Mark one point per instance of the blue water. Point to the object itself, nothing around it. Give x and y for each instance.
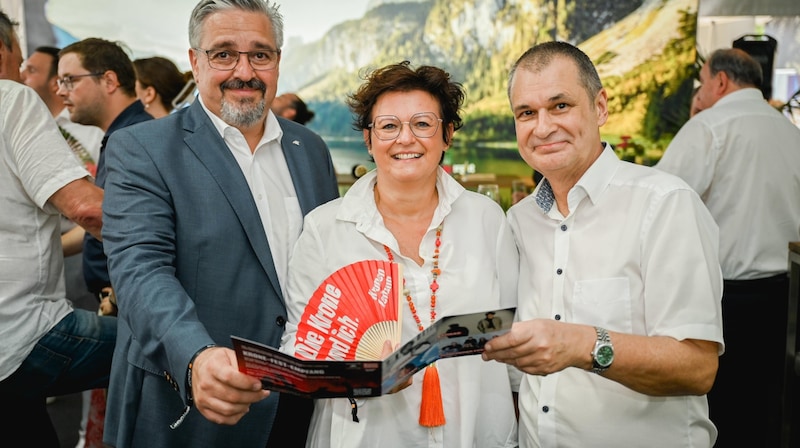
(348, 154)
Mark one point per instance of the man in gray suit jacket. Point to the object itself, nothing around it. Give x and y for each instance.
(200, 214)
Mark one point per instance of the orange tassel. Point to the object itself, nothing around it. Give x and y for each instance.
(431, 410)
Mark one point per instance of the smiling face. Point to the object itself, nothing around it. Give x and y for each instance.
(556, 121)
(241, 97)
(407, 158)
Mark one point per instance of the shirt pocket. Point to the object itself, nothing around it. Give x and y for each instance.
(294, 219)
(603, 302)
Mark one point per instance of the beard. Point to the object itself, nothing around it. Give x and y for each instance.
(244, 113)
(87, 115)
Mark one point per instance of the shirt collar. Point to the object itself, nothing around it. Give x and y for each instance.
(748, 94)
(272, 129)
(358, 204)
(123, 119)
(592, 184)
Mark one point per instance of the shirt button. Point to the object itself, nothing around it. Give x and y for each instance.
(280, 320)
(559, 271)
(564, 227)
(558, 317)
(545, 409)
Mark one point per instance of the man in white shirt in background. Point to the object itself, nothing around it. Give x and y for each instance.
(743, 157)
(48, 348)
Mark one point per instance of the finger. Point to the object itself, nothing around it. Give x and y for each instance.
(499, 343)
(236, 379)
(222, 412)
(387, 349)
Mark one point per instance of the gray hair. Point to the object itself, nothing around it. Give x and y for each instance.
(208, 7)
(7, 30)
(539, 56)
(739, 66)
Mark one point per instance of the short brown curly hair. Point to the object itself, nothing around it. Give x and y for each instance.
(402, 78)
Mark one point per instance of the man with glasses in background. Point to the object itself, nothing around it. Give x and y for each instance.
(202, 209)
(96, 81)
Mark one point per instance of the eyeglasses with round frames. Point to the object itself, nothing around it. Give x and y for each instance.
(68, 82)
(422, 125)
(227, 60)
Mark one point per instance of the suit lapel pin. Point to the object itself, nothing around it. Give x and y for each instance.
(296, 142)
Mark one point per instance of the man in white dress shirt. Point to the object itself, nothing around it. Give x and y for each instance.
(743, 157)
(620, 324)
(49, 348)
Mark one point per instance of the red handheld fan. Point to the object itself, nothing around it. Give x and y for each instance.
(352, 313)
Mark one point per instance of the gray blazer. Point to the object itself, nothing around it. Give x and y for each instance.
(191, 266)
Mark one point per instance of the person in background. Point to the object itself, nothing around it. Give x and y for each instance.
(742, 157)
(49, 348)
(96, 82)
(202, 209)
(290, 106)
(40, 72)
(619, 322)
(10, 51)
(456, 252)
(158, 83)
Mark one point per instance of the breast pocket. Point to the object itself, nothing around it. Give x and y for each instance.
(294, 218)
(603, 302)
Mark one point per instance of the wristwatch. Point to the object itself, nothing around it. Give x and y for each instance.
(603, 353)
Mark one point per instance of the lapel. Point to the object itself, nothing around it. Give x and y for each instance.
(205, 142)
(296, 152)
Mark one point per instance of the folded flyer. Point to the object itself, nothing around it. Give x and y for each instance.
(449, 337)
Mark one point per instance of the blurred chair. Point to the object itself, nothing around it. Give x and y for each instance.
(762, 48)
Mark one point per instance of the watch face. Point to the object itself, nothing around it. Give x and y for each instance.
(605, 355)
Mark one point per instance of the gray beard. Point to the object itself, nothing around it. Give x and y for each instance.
(243, 114)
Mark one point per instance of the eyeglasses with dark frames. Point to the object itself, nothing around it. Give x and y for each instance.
(227, 60)
(68, 82)
(422, 125)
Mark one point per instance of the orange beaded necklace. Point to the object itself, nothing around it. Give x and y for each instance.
(431, 409)
(434, 283)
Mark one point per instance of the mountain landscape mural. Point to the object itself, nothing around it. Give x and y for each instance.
(644, 51)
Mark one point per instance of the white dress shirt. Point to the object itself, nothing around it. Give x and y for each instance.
(478, 263)
(271, 185)
(638, 255)
(36, 162)
(743, 157)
